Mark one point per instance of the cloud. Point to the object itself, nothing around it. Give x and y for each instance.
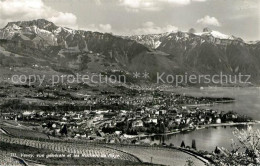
(98, 28)
(207, 20)
(153, 5)
(199, 0)
(150, 28)
(98, 2)
(148, 24)
(17, 10)
(136, 5)
(105, 27)
(64, 19)
(178, 2)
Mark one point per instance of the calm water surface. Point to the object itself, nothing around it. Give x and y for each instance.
(247, 102)
(247, 99)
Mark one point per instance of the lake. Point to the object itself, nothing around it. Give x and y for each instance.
(206, 139)
(247, 102)
(247, 99)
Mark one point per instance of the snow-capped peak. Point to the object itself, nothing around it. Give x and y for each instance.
(13, 27)
(216, 34)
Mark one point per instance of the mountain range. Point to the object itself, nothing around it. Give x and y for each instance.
(41, 46)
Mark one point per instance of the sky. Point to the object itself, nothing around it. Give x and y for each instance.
(240, 18)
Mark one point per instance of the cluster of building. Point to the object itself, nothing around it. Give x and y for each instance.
(113, 117)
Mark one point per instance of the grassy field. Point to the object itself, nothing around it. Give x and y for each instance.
(17, 132)
(158, 155)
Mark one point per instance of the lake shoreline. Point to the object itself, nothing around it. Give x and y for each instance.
(197, 128)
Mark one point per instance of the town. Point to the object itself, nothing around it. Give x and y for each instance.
(115, 117)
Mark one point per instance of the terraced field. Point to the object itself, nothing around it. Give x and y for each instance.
(88, 150)
(106, 152)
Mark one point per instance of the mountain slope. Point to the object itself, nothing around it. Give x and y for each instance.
(64, 49)
(208, 52)
(42, 43)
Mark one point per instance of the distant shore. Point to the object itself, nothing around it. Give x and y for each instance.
(194, 129)
(229, 124)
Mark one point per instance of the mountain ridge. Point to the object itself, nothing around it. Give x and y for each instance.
(209, 52)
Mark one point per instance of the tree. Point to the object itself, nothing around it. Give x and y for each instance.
(216, 151)
(162, 127)
(249, 140)
(64, 130)
(41, 90)
(246, 151)
(193, 145)
(53, 133)
(182, 144)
